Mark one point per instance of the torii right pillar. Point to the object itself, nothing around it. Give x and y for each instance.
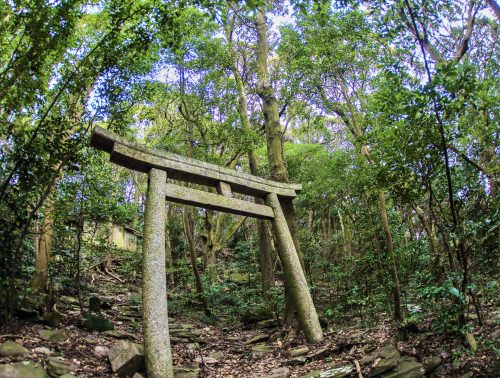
(295, 280)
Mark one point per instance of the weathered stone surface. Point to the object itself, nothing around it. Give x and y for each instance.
(101, 350)
(295, 280)
(94, 322)
(118, 334)
(52, 319)
(154, 300)
(126, 358)
(299, 360)
(299, 351)
(282, 372)
(11, 349)
(432, 363)
(53, 335)
(25, 369)
(366, 360)
(257, 339)
(186, 372)
(336, 372)
(137, 375)
(57, 366)
(42, 350)
(389, 359)
(68, 376)
(141, 158)
(320, 353)
(471, 341)
(260, 350)
(408, 368)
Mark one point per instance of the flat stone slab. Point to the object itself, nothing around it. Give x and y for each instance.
(388, 359)
(12, 349)
(186, 372)
(260, 350)
(258, 338)
(58, 366)
(25, 369)
(299, 351)
(408, 367)
(335, 372)
(53, 335)
(126, 358)
(282, 372)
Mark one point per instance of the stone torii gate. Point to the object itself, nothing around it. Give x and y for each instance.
(159, 165)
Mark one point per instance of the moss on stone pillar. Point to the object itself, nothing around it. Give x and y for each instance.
(154, 297)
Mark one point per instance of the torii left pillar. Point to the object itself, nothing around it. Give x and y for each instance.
(154, 283)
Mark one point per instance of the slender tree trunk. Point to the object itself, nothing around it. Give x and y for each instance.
(169, 262)
(263, 227)
(396, 293)
(274, 141)
(40, 280)
(189, 231)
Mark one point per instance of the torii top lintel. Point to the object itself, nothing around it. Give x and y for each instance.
(141, 158)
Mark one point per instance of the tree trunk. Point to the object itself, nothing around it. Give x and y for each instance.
(263, 227)
(40, 280)
(274, 138)
(189, 231)
(396, 293)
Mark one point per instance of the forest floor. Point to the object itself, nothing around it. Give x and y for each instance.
(234, 351)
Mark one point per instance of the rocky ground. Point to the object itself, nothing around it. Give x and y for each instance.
(107, 342)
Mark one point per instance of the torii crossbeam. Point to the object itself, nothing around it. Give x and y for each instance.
(159, 165)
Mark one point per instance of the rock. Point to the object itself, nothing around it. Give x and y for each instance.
(336, 372)
(68, 376)
(282, 372)
(57, 366)
(42, 350)
(126, 358)
(300, 360)
(471, 341)
(118, 334)
(99, 323)
(319, 353)
(11, 349)
(367, 360)
(469, 374)
(432, 363)
(268, 323)
(186, 372)
(299, 351)
(52, 319)
(216, 355)
(408, 368)
(257, 339)
(193, 346)
(94, 304)
(101, 350)
(260, 350)
(26, 369)
(53, 335)
(388, 359)
(137, 375)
